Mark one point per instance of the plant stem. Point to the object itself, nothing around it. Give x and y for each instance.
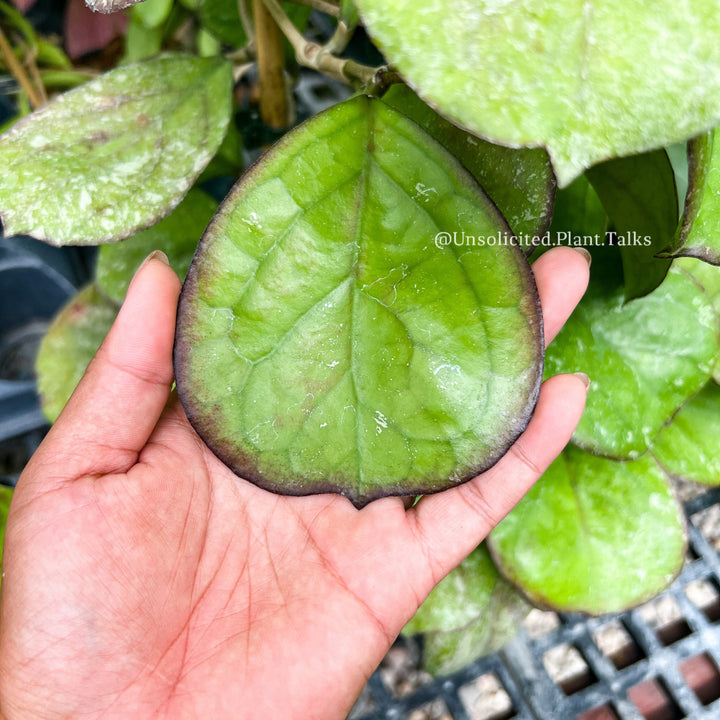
(271, 67)
(246, 17)
(318, 57)
(18, 72)
(34, 72)
(329, 8)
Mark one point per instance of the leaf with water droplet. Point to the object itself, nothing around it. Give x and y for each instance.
(472, 612)
(117, 154)
(587, 80)
(645, 357)
(68, 347)
(593, 535)
(325, 343)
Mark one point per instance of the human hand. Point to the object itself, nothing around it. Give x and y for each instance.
(143, 579)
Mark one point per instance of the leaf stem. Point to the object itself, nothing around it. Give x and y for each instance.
(271, 67)
(246, 17)
(318, 57)
(324, 6)
(18, 72)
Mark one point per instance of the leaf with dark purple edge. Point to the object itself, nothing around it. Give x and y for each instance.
(645, 357)
(472, 612)
(688, 448)
(177, 236)
(593, 535)
(589, 81)
(325, 343)
(640, 197)
(699, 235)
(115, 155)
(70, 344)
(520, 182)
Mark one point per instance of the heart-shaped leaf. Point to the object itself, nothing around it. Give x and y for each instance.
(326, 343)
(640, 197)
(700, 232)
(689, 447)
(520, 182)
(116, 154)
(587, 80)
(593, 535)
(645, 357)
(177, 236)
(472, 612)
(68, 347)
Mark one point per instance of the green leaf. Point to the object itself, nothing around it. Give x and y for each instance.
(141, 42)
(689, 447)
(520, 182)
(68, 347)
(326, 344)
(699, 235)
(472, 612)
(645, 358)
(50, 55)
(587, 80)
(593, 535)
(5, 497)
(640, 197)
(116, 154)
(708, 277)
(349, 13)
(177, 236)
(228, 160)
(152, 13)
(222, 19)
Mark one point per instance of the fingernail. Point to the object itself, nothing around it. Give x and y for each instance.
(155, 255)
(585, 254)
(585, 379)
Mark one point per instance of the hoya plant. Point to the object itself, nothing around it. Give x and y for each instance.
(359, 315)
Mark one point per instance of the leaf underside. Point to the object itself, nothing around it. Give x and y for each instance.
(579, 78)
(593, 535)
(116, 154)
(326, 344)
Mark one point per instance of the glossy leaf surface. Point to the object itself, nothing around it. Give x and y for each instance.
(588, 80)
(520, 182)
(68, 347)
(640, 197)
(593, 535)
(472, 612)
(700, 232)
(645, 358)
(177, 236)
(116, 154)
(325, 343)
(689, 447)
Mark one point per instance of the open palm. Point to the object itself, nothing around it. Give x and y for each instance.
(142, 579)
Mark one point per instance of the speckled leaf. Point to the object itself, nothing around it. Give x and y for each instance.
(115, 155)
(110, 6)
(326, 344)
(5, 497)
(689, 447)
(593, 535)
(69, 345)
(700, 232)
(177, 236)
(472, 612)
(640, 197)
(520, 182)
(645, 357)
(588, 80)
(708, 277)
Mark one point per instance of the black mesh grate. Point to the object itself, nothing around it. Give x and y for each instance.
(669, 670)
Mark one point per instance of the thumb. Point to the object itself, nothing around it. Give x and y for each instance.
(114, 409)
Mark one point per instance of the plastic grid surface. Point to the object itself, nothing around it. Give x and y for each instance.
(520, 670)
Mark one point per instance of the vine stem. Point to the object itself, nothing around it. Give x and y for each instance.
(274, 105)
(329, 8)
(319, 57)
(18, 72)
